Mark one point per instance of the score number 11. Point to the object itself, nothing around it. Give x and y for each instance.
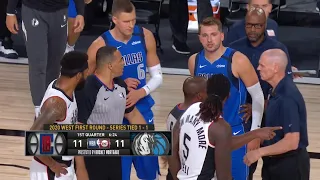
(120, 143)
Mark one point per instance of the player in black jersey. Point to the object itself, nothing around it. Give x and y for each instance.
(194, 90)
(44, 26)
(202, 139)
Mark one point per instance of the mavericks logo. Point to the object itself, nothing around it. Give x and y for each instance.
(150, 144)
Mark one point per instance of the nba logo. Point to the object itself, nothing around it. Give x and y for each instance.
(45, 143)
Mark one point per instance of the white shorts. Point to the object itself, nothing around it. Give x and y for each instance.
(39, 171)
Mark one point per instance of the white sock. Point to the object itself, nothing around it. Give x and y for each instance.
(37, 110)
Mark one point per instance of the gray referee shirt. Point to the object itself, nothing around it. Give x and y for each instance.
(97, 104)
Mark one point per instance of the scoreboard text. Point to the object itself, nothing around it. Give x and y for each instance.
(98, 143)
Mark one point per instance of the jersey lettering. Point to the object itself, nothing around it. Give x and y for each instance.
(205, 75)
(202, 138)
(190, 119)
(133, 58)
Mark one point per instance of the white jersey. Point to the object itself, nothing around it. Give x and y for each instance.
(72, 109)
(173, 116)
(195, 152)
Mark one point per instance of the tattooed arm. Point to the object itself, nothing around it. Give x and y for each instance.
(53, 109)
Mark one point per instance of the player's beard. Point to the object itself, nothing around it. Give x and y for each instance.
(81, 84)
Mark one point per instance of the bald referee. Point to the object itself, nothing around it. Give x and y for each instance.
(103, 101)
(194, 90)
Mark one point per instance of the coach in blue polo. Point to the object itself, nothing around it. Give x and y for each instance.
(285, 156)
(253, 45)
(237, 30)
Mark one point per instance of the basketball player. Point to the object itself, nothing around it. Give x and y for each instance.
(215, 59)
(138, 48)
(194, 90)
(72, 34)
(202, 139)
(59, 106)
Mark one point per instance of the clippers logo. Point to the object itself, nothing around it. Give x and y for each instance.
(94, 143)
(46, 145)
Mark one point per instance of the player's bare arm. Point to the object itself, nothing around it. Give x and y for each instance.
(191, 63)
(52, 110)
(154, 68)
(135, 117)
(92, 52)
(82, 173)
(174, 160)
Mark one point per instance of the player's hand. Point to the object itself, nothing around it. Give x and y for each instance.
(59, 168)
(295, 75)
(134, 96)
(253, 145)
(78, 24)
(132, 83)
(82, 174)
(252, 157)
(266, 133)
(12, 24)
(87, 1)
(247, 110)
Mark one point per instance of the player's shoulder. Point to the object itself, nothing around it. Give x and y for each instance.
(239, 58)
(193, 109)
(193, 56)
(99, 42)
(147, 32)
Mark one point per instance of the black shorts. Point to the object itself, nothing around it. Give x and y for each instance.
(104, 168)
(294, 165)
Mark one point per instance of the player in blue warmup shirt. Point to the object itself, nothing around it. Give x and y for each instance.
(72, 35)
(217, 59)
(138, 48)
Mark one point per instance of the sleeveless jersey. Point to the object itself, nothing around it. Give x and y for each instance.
(134, 54)
(72, 109)
(174, 116)
(195, 152)
(238, 91)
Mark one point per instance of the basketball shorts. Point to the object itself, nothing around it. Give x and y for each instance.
(239, 170)
(39, 171)
(147, 168)
(72, 12)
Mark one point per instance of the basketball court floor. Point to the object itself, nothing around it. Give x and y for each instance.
(16, 113)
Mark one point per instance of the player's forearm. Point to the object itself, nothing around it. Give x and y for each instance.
(241, 140)
(156, 79)
(280, 147)
(135, 117)
(80, 162)
(47, 160)
(257, 105)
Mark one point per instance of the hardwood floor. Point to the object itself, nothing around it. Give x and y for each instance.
(16, 112)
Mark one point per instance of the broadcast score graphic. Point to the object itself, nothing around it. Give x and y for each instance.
(98, 142)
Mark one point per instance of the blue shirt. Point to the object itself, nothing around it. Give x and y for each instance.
(253, 53)
(286, 108)
(238, 31)
(238, 91)
(134, 54)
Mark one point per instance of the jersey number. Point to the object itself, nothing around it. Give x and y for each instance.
(141, 72)
(186, 148)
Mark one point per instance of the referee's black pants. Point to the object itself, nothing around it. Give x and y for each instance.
(104, 168)
(294, 165)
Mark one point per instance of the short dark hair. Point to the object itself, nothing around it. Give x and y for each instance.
(218, 89)
(105, 55)
(193, 85)
(211, 21)
(269, 1)
(73, 63)
(119, 6)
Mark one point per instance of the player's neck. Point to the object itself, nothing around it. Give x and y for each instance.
(117, 35)
(64, 85)
(215, 55)
(106, 78)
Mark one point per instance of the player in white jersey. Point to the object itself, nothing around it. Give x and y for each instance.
(194, 90)
(202, 140)
(59, 107)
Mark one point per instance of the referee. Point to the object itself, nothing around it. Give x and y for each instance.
(285, 156)
(103, 101)
(44, 24)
